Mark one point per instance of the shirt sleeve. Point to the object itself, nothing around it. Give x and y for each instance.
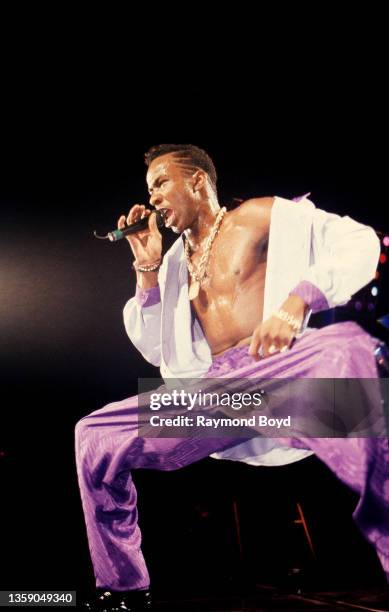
(148, 297)
(142, 322)
(344, 258)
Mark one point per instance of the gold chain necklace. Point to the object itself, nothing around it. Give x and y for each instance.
(199, 274)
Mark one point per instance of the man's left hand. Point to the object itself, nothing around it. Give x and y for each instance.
(274, 335)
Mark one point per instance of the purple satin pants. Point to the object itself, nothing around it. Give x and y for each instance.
(108, 448)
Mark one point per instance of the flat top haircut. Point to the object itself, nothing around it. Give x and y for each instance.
(186, 155)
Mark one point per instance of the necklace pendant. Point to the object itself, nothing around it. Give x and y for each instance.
(194, 290)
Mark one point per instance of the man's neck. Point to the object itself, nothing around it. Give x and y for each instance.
(198, 233)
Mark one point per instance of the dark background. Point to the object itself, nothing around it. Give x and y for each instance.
(72, 164)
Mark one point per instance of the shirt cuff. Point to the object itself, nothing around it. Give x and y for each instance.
(148, 297)
(311, 295)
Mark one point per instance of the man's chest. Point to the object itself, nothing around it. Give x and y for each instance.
(234, 260)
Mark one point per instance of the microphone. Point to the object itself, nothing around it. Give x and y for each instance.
(134, 228)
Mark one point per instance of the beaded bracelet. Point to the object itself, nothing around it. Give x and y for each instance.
(290, 319)
(148, 268)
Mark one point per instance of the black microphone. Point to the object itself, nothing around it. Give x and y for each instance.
(134, 228)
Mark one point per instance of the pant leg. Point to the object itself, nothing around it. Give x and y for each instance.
(342, 350)
(107, 448)
(363, 465)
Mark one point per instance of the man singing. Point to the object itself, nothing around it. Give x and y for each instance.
(233, 293)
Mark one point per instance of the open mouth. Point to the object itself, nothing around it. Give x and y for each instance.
(168, 216)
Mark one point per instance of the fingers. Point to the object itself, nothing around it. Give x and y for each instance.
(122, 222)
(255, 344)
(136, 213)
(139, 211)
(153, 227)
(270, 338)
(271, 343)
(274, 348)
(146, 244)
(276, 344)
(133, 216)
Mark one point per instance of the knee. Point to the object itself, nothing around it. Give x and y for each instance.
(82, 434)
(85, 425)
(79, 430)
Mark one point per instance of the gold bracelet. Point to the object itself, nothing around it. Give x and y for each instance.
(147, 268)
(290, 319)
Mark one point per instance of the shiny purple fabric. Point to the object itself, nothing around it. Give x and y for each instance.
(108, 448)
(148, 297)
(312, 296)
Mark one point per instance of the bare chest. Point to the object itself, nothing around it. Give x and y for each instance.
(237, 261)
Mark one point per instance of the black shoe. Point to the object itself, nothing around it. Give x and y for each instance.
(116, 601)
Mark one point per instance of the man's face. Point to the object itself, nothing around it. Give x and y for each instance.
(171, 188)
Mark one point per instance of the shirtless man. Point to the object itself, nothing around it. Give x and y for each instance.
(230, 302)
(229, 307)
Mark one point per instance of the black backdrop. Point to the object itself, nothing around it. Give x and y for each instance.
(64, 351)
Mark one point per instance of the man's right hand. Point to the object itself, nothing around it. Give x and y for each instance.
(147, 244)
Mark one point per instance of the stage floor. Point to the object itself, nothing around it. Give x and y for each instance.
(269, 599)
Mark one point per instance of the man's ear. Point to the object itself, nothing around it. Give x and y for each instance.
(199, 180)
